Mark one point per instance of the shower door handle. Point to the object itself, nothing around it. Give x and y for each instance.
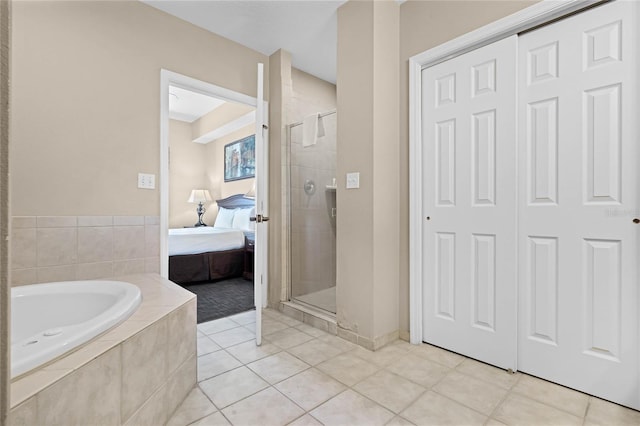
(259, 218)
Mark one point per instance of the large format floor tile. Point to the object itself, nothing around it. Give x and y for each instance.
(390, 390)
(351, 408)
(434, 409)
(267, 407)
(310, 388)
(305, 377)
(232, 386)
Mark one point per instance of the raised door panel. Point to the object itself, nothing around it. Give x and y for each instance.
(578, 143)
(469, 196)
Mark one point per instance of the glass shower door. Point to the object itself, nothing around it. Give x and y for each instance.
(312, 214)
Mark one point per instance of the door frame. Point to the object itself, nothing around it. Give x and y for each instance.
(526, 19)
(168, 78)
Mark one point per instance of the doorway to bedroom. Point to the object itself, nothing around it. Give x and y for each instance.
(211, 199)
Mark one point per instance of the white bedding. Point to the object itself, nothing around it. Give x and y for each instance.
(204, 239)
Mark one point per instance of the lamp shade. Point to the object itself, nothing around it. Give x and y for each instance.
(252, 191)
(199, 196)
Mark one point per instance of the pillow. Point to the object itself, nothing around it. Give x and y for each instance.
(241, 219)
(224, 218)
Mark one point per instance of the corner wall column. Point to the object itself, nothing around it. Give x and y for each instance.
(368, 142)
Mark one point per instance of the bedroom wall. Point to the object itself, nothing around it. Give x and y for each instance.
(424, 25)
(214, 169)
(199, 166)
(85, 102)
(187, 171)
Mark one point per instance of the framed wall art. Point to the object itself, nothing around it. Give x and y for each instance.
(240, 159)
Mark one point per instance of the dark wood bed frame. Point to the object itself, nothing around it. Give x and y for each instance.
(213, 265)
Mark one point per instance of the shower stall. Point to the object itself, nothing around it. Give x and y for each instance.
(312, 212)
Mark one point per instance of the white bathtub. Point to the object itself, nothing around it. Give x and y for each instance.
(48, 320)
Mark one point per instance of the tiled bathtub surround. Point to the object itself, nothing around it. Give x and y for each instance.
(135, 374)
(62, 248)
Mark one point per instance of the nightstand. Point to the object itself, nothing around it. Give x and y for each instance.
(249, 244)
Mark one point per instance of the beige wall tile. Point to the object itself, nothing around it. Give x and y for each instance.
(25, 414)
(94, 271)
(82, 356)
(128, 242)
(57, 246)
(143, 366)
(92, 394)
(128, 267)
(152, 220)
(152, 265)
(181, 338)
(161, 405)
(153, 411)
(95, 244)
(152, 240)
(57, 221)
(128, 220)
(24, 277)
(57, 273)
(179, 385)
(23, 248)
(29, 385)
(18, 222)
(95, 221)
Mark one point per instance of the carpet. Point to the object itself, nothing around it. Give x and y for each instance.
(219, 299)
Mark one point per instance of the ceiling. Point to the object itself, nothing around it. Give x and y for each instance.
(185, 105)
(305, 28)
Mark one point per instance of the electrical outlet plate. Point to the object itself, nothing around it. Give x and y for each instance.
(353, 180)
(146, 181)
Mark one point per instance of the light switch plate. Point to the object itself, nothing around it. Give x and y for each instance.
(353, 180)
(146, 181)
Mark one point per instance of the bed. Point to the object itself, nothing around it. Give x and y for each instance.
(212, 253)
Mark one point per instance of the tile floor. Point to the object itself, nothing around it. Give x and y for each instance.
(304, 376)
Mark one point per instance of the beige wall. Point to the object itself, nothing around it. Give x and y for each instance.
(424, 25)
(199, 166)
(86, 100)
(220, 116)
(187, 171)
(5, 211)
(214, 170)
(310, 95)
(367, 242)
(280, 86)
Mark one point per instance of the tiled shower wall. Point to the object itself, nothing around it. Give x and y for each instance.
(62, 248)
(313, 216)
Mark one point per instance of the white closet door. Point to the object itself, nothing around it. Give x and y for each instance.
(578, 245)
(469, 163)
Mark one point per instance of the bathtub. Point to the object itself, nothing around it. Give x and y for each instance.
(48, 320)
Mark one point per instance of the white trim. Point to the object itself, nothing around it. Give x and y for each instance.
(168, 78)
(533, 16)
